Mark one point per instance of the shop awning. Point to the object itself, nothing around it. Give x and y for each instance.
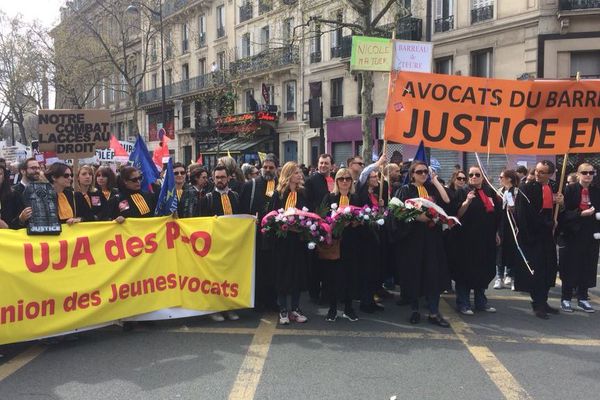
(237, 144)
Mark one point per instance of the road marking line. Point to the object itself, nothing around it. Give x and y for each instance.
(500, 376)
(19, 361)
(244, 387)
(379, 335)
(203, 329)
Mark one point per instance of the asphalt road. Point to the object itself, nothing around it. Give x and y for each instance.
(510, 354)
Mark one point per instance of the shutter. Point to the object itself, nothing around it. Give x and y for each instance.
(447, 159)
(493, 166)
(342, 151)
(439, 7)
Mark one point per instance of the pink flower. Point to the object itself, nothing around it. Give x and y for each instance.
(284, 227)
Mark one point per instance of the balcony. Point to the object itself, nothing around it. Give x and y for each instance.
(264, 6)
(344, 49)
(265, 61)
(482, 14)
(170, 7)
(337, 111)
(568, 5)
(444, 24)
(245, 12)
(201, 39)
(289, 2)
(315, 57)
(410, 29)
(220, 31)
(198, 83)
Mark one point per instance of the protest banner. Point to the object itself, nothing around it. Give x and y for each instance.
(371, 54)
(102, 271)
(412, 56)
(494, 115)
(73, 134)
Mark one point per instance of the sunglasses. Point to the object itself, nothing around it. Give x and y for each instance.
(345, 179)
(475, 175)
(590, 173)
(362, 164)
(136, 179)
(422, 171)
(179, 173)
(67, 176)
(461, 178)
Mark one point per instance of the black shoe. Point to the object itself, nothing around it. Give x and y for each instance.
(439, 321)
(350, 315)
(403, 302)
(415, 317)
(331, 315)
(550, 310)
(542, 314)
(369, 309)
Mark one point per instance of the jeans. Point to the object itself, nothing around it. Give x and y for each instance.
(504, 270)
(282, 301)
(567, 293)
(463, 294)
(433, 304)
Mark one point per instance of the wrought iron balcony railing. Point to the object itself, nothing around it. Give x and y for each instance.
(201, 39)
(315, 57)
(567, 5)
(198, 83)
(482, 14)
(245, 12)
(220, 31)
(264, 6)
(265, 61)
(337, 111)
(444, 24)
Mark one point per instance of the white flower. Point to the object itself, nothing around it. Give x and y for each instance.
(396, 202)
(313, 227)
(311, 245)
(304, 209)
(409, 206)
(598, 216)
(301, 217)
(284, 219)
(380, 222)
(366, 217)
(280, 211)
(347, 210)
(334, 206)
(321, 239)
(367, 210)
(278, 218)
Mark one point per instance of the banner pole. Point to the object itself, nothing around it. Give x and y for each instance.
(389, 91)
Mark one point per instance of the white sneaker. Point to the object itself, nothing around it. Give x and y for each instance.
(297, 316)
(512, 285)
(498, 283)
(232, 315)
(217, 317)
(507, 281)
(284, 318)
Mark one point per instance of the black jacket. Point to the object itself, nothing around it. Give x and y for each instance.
(257, 202)
(211, 203)
(316, 189)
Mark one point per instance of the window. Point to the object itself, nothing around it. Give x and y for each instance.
(288, 30)
(221, 60)
(290, 96)
(270, 93)
(220, 21)
(264, 38)
(154, 81)
(110, 92)
(336, 36)
(184, 37)
(337, 94)
(443, 65)
(168, 45)
(201, 31)
(169, 77)
(202, 66)
(315, 44)
(587, 63)
(249, 102)
(482, 10)
(482, 63)
(153, 55)
(185, 116)
(444, 18)
(185, 72)
(245, 45)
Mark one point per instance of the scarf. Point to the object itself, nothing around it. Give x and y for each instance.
(422, 192)
(179, 193)
(87, 199)
(291, 200)
(270, 188)
(106, 194)
(584, 204)
(226, 204)
(140, 203)
(344, 201)
(64, 207)
(487, 202)
(547, 199)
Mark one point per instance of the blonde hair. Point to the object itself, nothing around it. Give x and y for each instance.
(287, 171)
(341, 173)
(92, 172)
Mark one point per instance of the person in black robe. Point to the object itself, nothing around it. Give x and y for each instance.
(106, 182)
(316, 187)
(256, 199)
(193, 194)
(290, 252)
(131, 202)
(222, 200)
(479, 215)
(507, 254)
(341, 276)
(578, 225)
(534, 213)
(421, 256)
(72, 206)
(9, 213)
(455, 189)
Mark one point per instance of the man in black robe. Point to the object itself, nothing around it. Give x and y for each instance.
(221, 200)
(534, 210)
(256, 199)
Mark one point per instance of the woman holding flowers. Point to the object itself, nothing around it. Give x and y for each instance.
(480, 213)
(341, 275)
(422, 260)
(290, 251)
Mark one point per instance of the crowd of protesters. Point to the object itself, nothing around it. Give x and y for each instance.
(508, 233)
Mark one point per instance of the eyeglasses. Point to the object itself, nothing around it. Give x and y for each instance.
(539, 171)
(135, 179)
(178, 172)
(362, 164)
(475, 175)
(67, 176)
(422, 172)
(345, 179)
(268, 167)
(590, 173)
(461, 178)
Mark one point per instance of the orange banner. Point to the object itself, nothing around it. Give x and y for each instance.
(493, 115)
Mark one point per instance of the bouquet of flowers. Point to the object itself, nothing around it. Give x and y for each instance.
(403, 211)
(434, 212)
(341, 217)
(311, 227)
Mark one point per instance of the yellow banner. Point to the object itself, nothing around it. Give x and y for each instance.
(101, 271)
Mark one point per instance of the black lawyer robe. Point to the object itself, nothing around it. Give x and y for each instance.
(211, 203)
(122, 205)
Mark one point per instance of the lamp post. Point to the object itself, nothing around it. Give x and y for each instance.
(133, 9)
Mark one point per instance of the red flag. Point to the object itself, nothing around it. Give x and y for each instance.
(200, 160)
(161, 152)
(117, 148)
